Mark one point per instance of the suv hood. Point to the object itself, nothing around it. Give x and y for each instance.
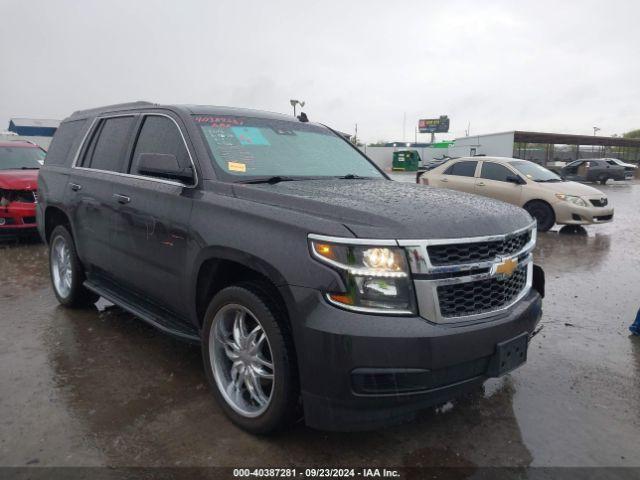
(19, 179)
(572, 188)
(390, 209)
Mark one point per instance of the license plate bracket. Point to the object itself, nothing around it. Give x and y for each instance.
(509, 355)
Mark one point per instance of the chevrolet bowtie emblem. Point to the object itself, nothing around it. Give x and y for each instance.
(506, 268)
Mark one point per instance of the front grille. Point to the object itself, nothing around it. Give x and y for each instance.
(481, 296)
(602, 202)
(461, 253)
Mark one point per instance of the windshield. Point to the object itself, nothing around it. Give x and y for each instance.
(15, 158)
(535, 172)
(247, 147)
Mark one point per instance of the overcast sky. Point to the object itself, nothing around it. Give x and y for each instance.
(547, 66)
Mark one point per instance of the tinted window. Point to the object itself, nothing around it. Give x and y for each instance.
(108, 148)
(495, 171)
(462, 169)
(159, 135)
(611, 162)
(67, 135)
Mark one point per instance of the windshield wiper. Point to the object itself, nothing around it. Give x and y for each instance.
(549, 180)
(29, 168)
(271, 180)
(351, 176)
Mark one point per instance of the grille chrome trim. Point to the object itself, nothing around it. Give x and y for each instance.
(427, 289)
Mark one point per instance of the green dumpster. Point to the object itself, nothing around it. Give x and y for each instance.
(406, 160)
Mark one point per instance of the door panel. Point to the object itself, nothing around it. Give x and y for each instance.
(89, 200)
(151, 228)
(89, 189)
(149, 239)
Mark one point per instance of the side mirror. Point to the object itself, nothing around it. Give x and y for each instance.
(515, 179)
(164, 165)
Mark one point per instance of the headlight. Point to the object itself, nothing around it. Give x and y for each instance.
(376, 277)
(572, 198)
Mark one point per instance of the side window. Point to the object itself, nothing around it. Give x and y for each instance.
(159, 135)
(611, 162)
(495, 171)
(462, 169)
(108, 146)
(66, 136)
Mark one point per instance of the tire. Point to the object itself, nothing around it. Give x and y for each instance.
(67, 273)
(542, 213)
(253, 303)
(603, 180)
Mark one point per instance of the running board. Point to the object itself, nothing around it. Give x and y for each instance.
(162, 323)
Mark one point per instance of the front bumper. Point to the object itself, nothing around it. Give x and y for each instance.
(569, 214)
(362, 371)
(18, 217)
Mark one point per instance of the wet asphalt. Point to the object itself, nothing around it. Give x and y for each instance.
(97, 387)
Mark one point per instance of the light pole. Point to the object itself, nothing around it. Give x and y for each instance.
(294, 103)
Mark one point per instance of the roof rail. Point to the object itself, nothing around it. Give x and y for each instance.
(117, 106)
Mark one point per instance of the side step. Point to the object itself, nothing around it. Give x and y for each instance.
(153, 316)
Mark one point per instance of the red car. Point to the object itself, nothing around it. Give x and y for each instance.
(19, 165)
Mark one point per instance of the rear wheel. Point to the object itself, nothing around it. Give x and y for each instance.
(67, 274)
(603, 180)
(542, 213)
(249, 360)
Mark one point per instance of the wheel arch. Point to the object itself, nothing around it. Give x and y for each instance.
(544, 202)
(219, 267)
(54, 216)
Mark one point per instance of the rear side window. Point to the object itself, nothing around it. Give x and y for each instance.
(67, 136)
(495, 171)
(108, 147)
(159, 135)
(462, 169)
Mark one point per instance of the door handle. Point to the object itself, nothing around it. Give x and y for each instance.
(121, 198)
(480, 184)
(75, 187)
(444, 180)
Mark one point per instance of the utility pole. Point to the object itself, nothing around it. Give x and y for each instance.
(404, 125)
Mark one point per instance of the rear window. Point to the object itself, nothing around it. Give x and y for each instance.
(462, 169)
(66, 137)
(108, 147)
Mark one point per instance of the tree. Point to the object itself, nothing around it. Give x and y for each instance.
(632, 134)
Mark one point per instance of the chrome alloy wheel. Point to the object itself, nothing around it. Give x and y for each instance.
(241, 360)
(61, 269)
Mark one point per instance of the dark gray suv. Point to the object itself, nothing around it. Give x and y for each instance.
(315, 284)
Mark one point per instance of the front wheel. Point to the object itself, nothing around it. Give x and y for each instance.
(542, 213)
(603, 180)
(249, 359)
(67, 274)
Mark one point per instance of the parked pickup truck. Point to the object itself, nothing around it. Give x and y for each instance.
(315, 285)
